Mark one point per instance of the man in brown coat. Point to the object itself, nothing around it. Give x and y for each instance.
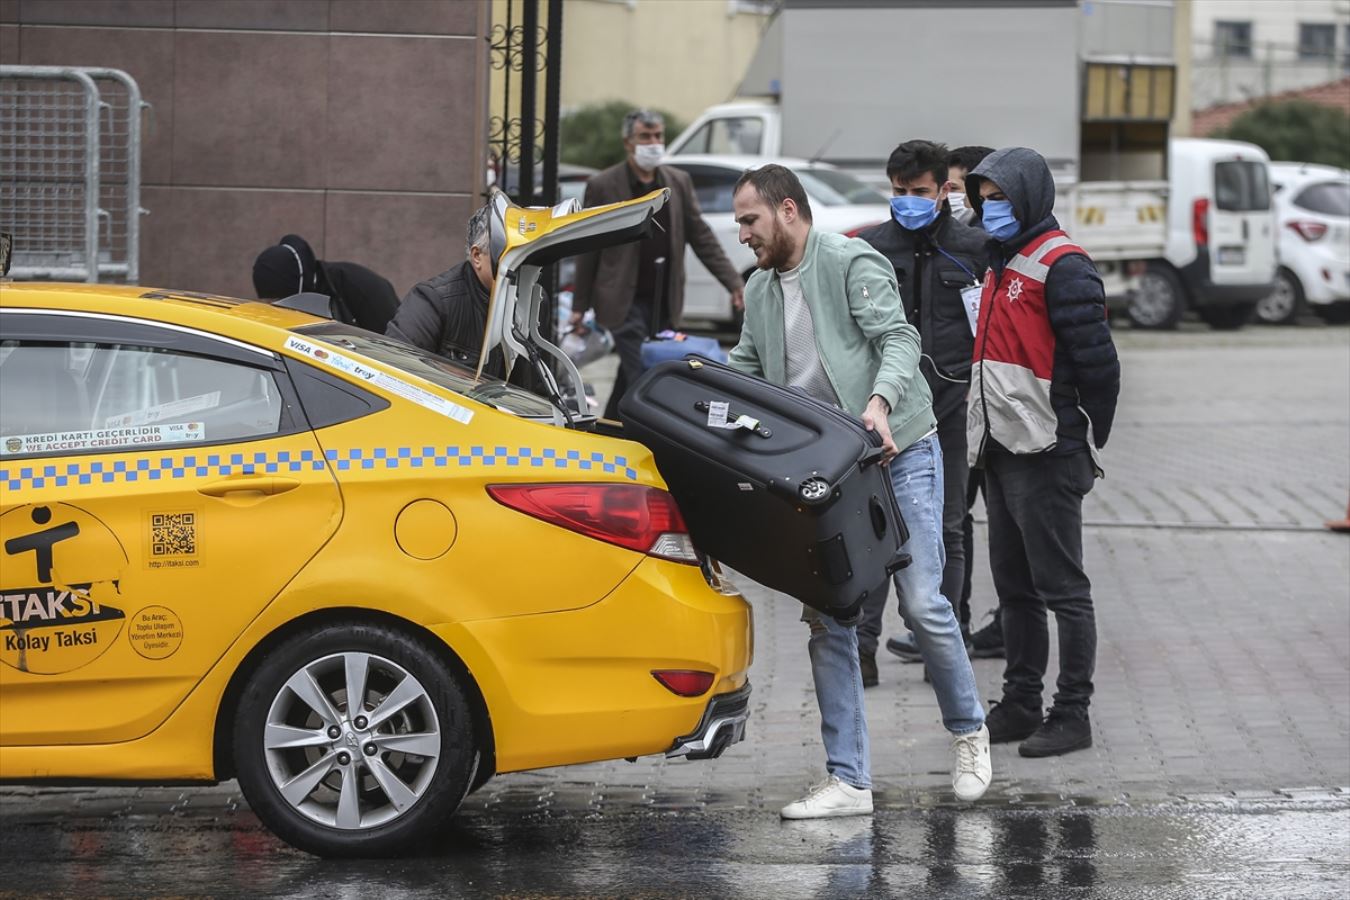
(623, 284)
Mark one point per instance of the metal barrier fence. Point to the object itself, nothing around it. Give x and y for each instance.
(70, 172)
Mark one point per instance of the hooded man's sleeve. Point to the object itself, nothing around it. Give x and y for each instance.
(1076, 304)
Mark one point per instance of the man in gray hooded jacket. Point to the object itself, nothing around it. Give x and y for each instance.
(1044, 383)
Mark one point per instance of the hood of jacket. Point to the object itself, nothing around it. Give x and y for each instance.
(1025, 179)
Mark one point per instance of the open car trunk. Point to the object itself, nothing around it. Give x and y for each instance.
(523, 241)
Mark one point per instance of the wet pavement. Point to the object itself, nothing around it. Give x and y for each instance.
(1277, 848)
(1221, 761)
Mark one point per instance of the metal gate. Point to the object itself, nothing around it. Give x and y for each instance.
(70, 172)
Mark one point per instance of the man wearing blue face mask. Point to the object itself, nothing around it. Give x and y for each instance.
(1044, 383)
(635, 286)
(936, 258)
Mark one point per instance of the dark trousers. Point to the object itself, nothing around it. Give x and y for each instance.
(628, 338)
(951, 435)
(955, 472)
(1036, 553)
(974, 487)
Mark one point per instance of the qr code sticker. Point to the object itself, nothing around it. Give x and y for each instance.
(173, 534)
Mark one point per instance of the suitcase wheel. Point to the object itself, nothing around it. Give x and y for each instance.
(814, 490)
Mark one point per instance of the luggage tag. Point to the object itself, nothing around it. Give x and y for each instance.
(718, 413)
(970, 300)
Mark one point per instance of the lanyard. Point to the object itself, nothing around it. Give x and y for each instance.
(958, 262)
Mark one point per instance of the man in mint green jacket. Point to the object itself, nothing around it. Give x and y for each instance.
(823, 314)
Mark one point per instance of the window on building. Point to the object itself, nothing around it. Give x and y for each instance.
(1316, 40)
(1233, 39)
(1345, 51)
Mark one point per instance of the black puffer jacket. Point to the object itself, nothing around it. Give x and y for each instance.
(368, 297)
(1086, 376)
(447, 315)
(930, 288)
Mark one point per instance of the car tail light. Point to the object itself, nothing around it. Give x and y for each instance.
(684, 682)
(1309, 231)
(635, 516)
(1200, 221)
(860, 229)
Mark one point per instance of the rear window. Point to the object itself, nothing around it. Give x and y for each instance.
(1331, 198)
(830, 187)
(436, 369)
(1241, 186)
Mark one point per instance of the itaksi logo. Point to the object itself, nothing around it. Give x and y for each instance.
(62, 568)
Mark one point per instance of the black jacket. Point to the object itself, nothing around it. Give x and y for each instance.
(1086, 375)
(447, 315)
(930, 288)
(368, 298)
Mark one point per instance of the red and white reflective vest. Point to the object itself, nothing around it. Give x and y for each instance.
(1014, 357)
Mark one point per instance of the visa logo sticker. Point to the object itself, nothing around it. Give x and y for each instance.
(383, 380)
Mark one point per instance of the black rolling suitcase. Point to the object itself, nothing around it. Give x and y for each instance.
(777, 485)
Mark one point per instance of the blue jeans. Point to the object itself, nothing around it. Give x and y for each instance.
(916, 478)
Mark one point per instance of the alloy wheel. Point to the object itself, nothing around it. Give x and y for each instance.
(1279, 305)
(1155, 301)
(352, 740)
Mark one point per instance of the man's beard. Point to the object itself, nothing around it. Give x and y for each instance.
(778, 249)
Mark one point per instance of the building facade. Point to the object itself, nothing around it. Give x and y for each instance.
(359, 124)
(678, 55)
(1245, 49)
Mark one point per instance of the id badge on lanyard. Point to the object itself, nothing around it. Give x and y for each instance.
(970, 294)
(970, 300)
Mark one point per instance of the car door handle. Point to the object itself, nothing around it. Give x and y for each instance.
(249, 484)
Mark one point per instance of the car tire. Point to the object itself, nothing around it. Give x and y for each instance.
(1281, 307)
(1227, 318)
(335, 782)
(1159, 301)
(1333, 313)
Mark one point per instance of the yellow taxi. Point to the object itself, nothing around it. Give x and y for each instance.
(240, 540)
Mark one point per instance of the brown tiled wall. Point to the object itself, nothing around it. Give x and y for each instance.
(357, 123)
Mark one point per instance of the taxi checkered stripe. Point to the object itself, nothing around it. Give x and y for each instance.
(203, 465)
(522, 457)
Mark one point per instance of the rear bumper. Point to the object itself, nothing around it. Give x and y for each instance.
(576, 686)
(722, 725)
(1325, 280)
(1204, 292)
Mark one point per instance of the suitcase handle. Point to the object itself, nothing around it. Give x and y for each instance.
(759, 430)
(873, 456)
(878, 518)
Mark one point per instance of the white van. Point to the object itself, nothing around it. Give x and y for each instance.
(1220, 256)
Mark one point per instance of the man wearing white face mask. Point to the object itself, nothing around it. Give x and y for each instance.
(631, 286)
(959, 163)
(938, 265)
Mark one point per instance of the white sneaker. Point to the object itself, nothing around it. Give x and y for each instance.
(830, 798)
(972, 769)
